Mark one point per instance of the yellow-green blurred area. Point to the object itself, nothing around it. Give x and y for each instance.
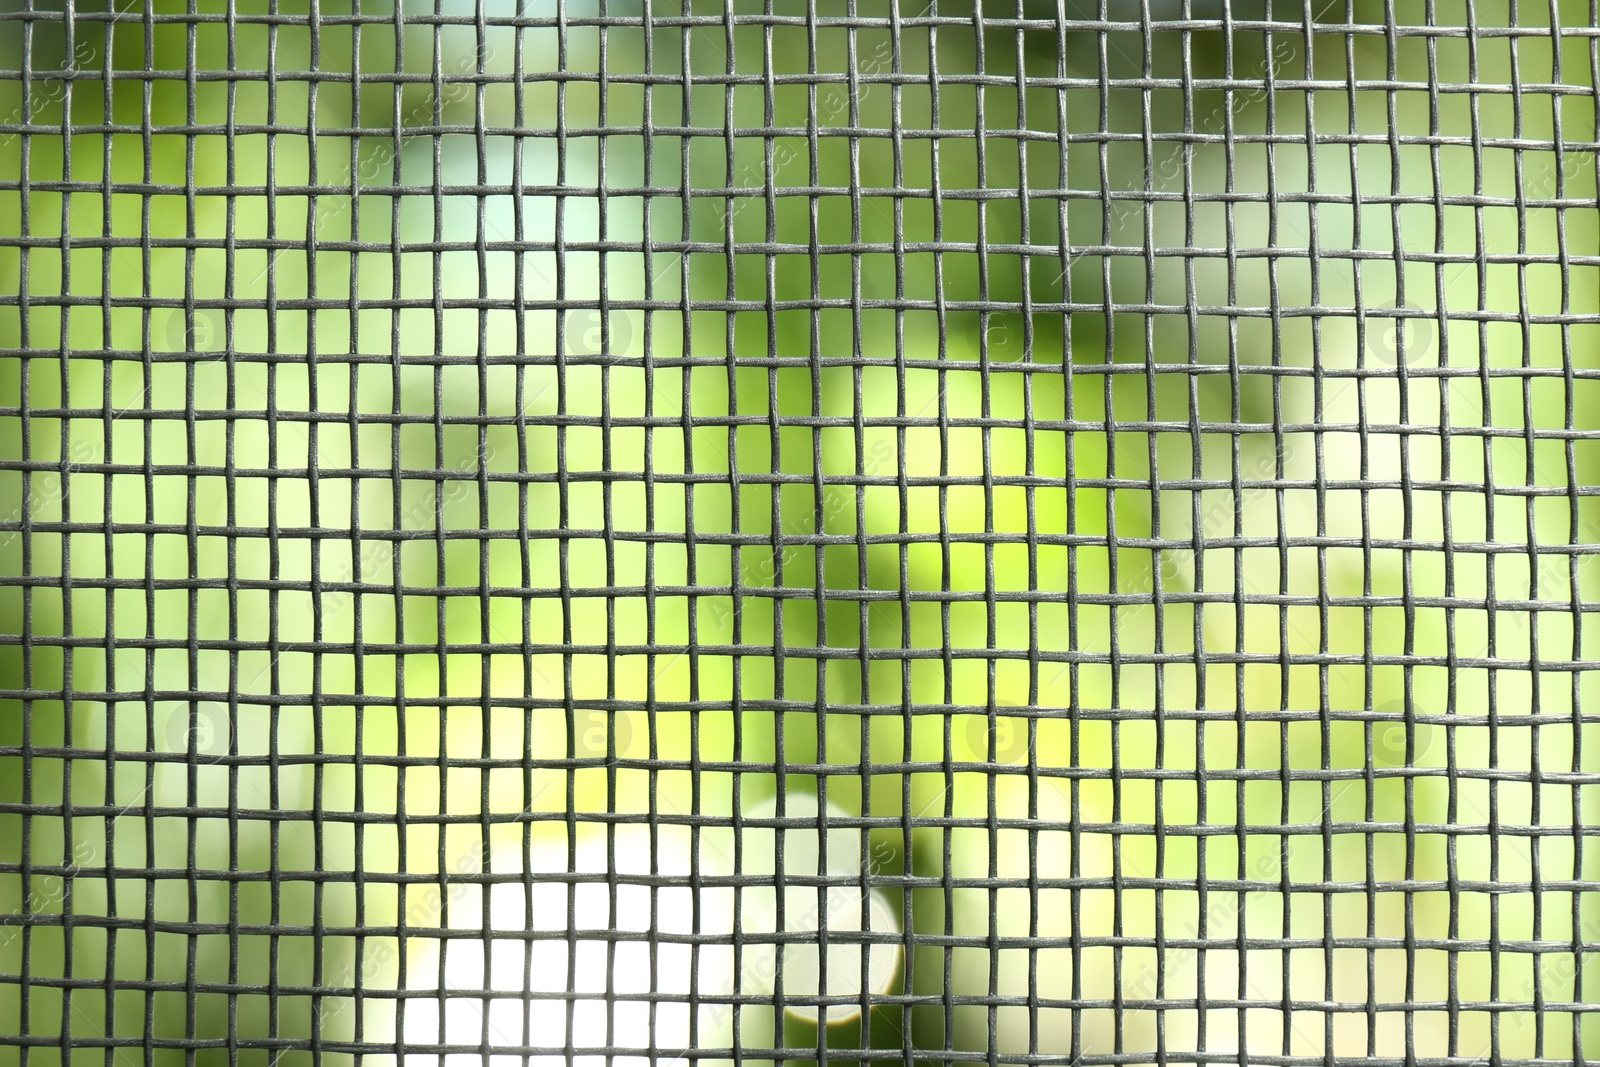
(1139, 462)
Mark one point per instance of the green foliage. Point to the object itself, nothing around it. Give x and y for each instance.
(270, 356)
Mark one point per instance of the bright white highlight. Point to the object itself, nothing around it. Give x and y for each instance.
(516, 987)
(505, 991)
(841, 911)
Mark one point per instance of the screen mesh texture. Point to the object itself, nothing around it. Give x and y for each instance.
(618, 533)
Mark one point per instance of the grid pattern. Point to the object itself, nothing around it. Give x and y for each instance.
(1111, 483)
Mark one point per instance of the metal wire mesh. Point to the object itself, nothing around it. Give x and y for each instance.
(1110, 482)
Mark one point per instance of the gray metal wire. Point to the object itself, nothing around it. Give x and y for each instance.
(1135, 458)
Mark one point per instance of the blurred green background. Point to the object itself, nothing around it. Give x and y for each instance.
(283, 419)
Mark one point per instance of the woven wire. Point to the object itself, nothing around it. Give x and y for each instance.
(1131, 459)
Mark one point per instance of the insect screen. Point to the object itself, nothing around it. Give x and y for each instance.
(647, 535)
